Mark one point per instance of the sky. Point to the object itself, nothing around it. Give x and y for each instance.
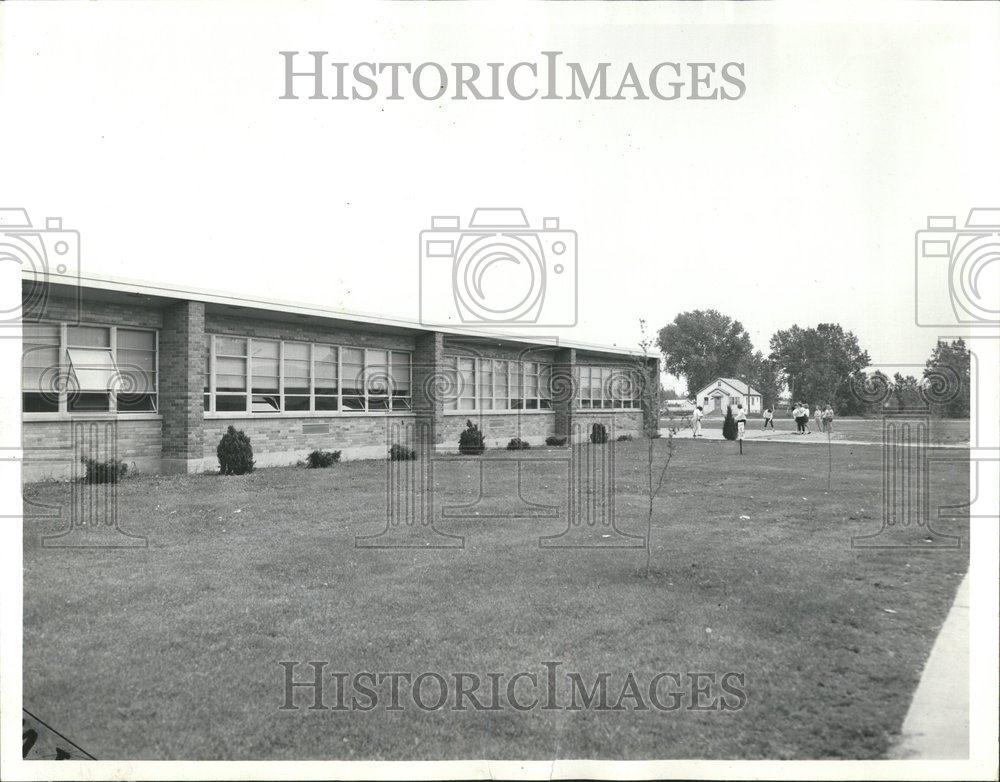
(156, 131)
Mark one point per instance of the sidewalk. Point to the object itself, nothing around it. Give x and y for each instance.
(757, 435)
(937, 725)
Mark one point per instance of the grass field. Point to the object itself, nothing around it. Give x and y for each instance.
(172, 651)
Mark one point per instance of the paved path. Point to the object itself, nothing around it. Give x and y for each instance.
(788, 437)
(937, 725)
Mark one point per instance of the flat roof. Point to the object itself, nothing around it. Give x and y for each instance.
(96, 282)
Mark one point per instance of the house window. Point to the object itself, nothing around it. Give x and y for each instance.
(88, 369)
(271, 376)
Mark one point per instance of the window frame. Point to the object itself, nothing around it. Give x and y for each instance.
(65, 367)
(502, 373)
(395, 403)
(606, 380)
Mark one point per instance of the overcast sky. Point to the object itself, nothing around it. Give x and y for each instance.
(156, 130)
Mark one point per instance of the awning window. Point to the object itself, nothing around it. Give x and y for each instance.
(94, 368)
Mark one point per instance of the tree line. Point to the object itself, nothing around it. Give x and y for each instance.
(823, 364)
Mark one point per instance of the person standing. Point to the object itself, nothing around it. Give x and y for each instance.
(801, 417)
(828, 419)
(818, 413)
(696, 417)
(741, 420)
(768, 417)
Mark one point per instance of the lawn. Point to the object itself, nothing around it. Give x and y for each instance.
(173, 651)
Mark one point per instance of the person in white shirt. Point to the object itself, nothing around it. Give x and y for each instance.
(768, 418)
(696, 417)
(741, 420)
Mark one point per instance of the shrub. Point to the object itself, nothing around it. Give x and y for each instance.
(598, 433)
(553, 440)
(322, 458)
(471, 442)
(517, 444)
(729, 430)
(623, 438)
(400, 453)
(108, 471)
(235, 453)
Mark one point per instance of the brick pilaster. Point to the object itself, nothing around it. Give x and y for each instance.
(429, 383)
(182, 365)
(564, 390)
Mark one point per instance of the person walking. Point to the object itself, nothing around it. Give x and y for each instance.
(696, 417)
(768, 417)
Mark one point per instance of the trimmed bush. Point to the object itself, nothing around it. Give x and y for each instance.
(598, 434)
(471, 442)
(322, 458)
(622, 438)
(729, 430)
(109, 471)
(235, 453)
(517, 444)
(400, 453)
(553, 440)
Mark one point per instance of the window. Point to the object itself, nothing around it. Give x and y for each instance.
(326, 359)
(297, 376)
(88, 369)
(491, 384)
(401, 380)
(353, 363)
(264, 370)
(271, 376)
(136, 358)
(40, 368)
(607, 388)
(230, 374)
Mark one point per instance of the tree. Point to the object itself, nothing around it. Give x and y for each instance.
(702, 345)
(729, 430)
(819, 363)
(764, 375)
(906, 394)
(947, 379)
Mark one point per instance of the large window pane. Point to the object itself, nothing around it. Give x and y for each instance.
(545, 386)
(485, 385)
(88, 337)
(296, 359)
(466, 384)
(40, 362)
(230, 374)
(136, 359)
(516, 387)
(451, 383)
(353, 381)
(265, 366)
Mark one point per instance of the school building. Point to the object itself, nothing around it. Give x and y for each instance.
(154, 375)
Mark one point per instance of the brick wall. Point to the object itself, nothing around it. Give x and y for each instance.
(499, 428)
(279, 440)
(617, 422)
(48, 451)
(239, 326)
